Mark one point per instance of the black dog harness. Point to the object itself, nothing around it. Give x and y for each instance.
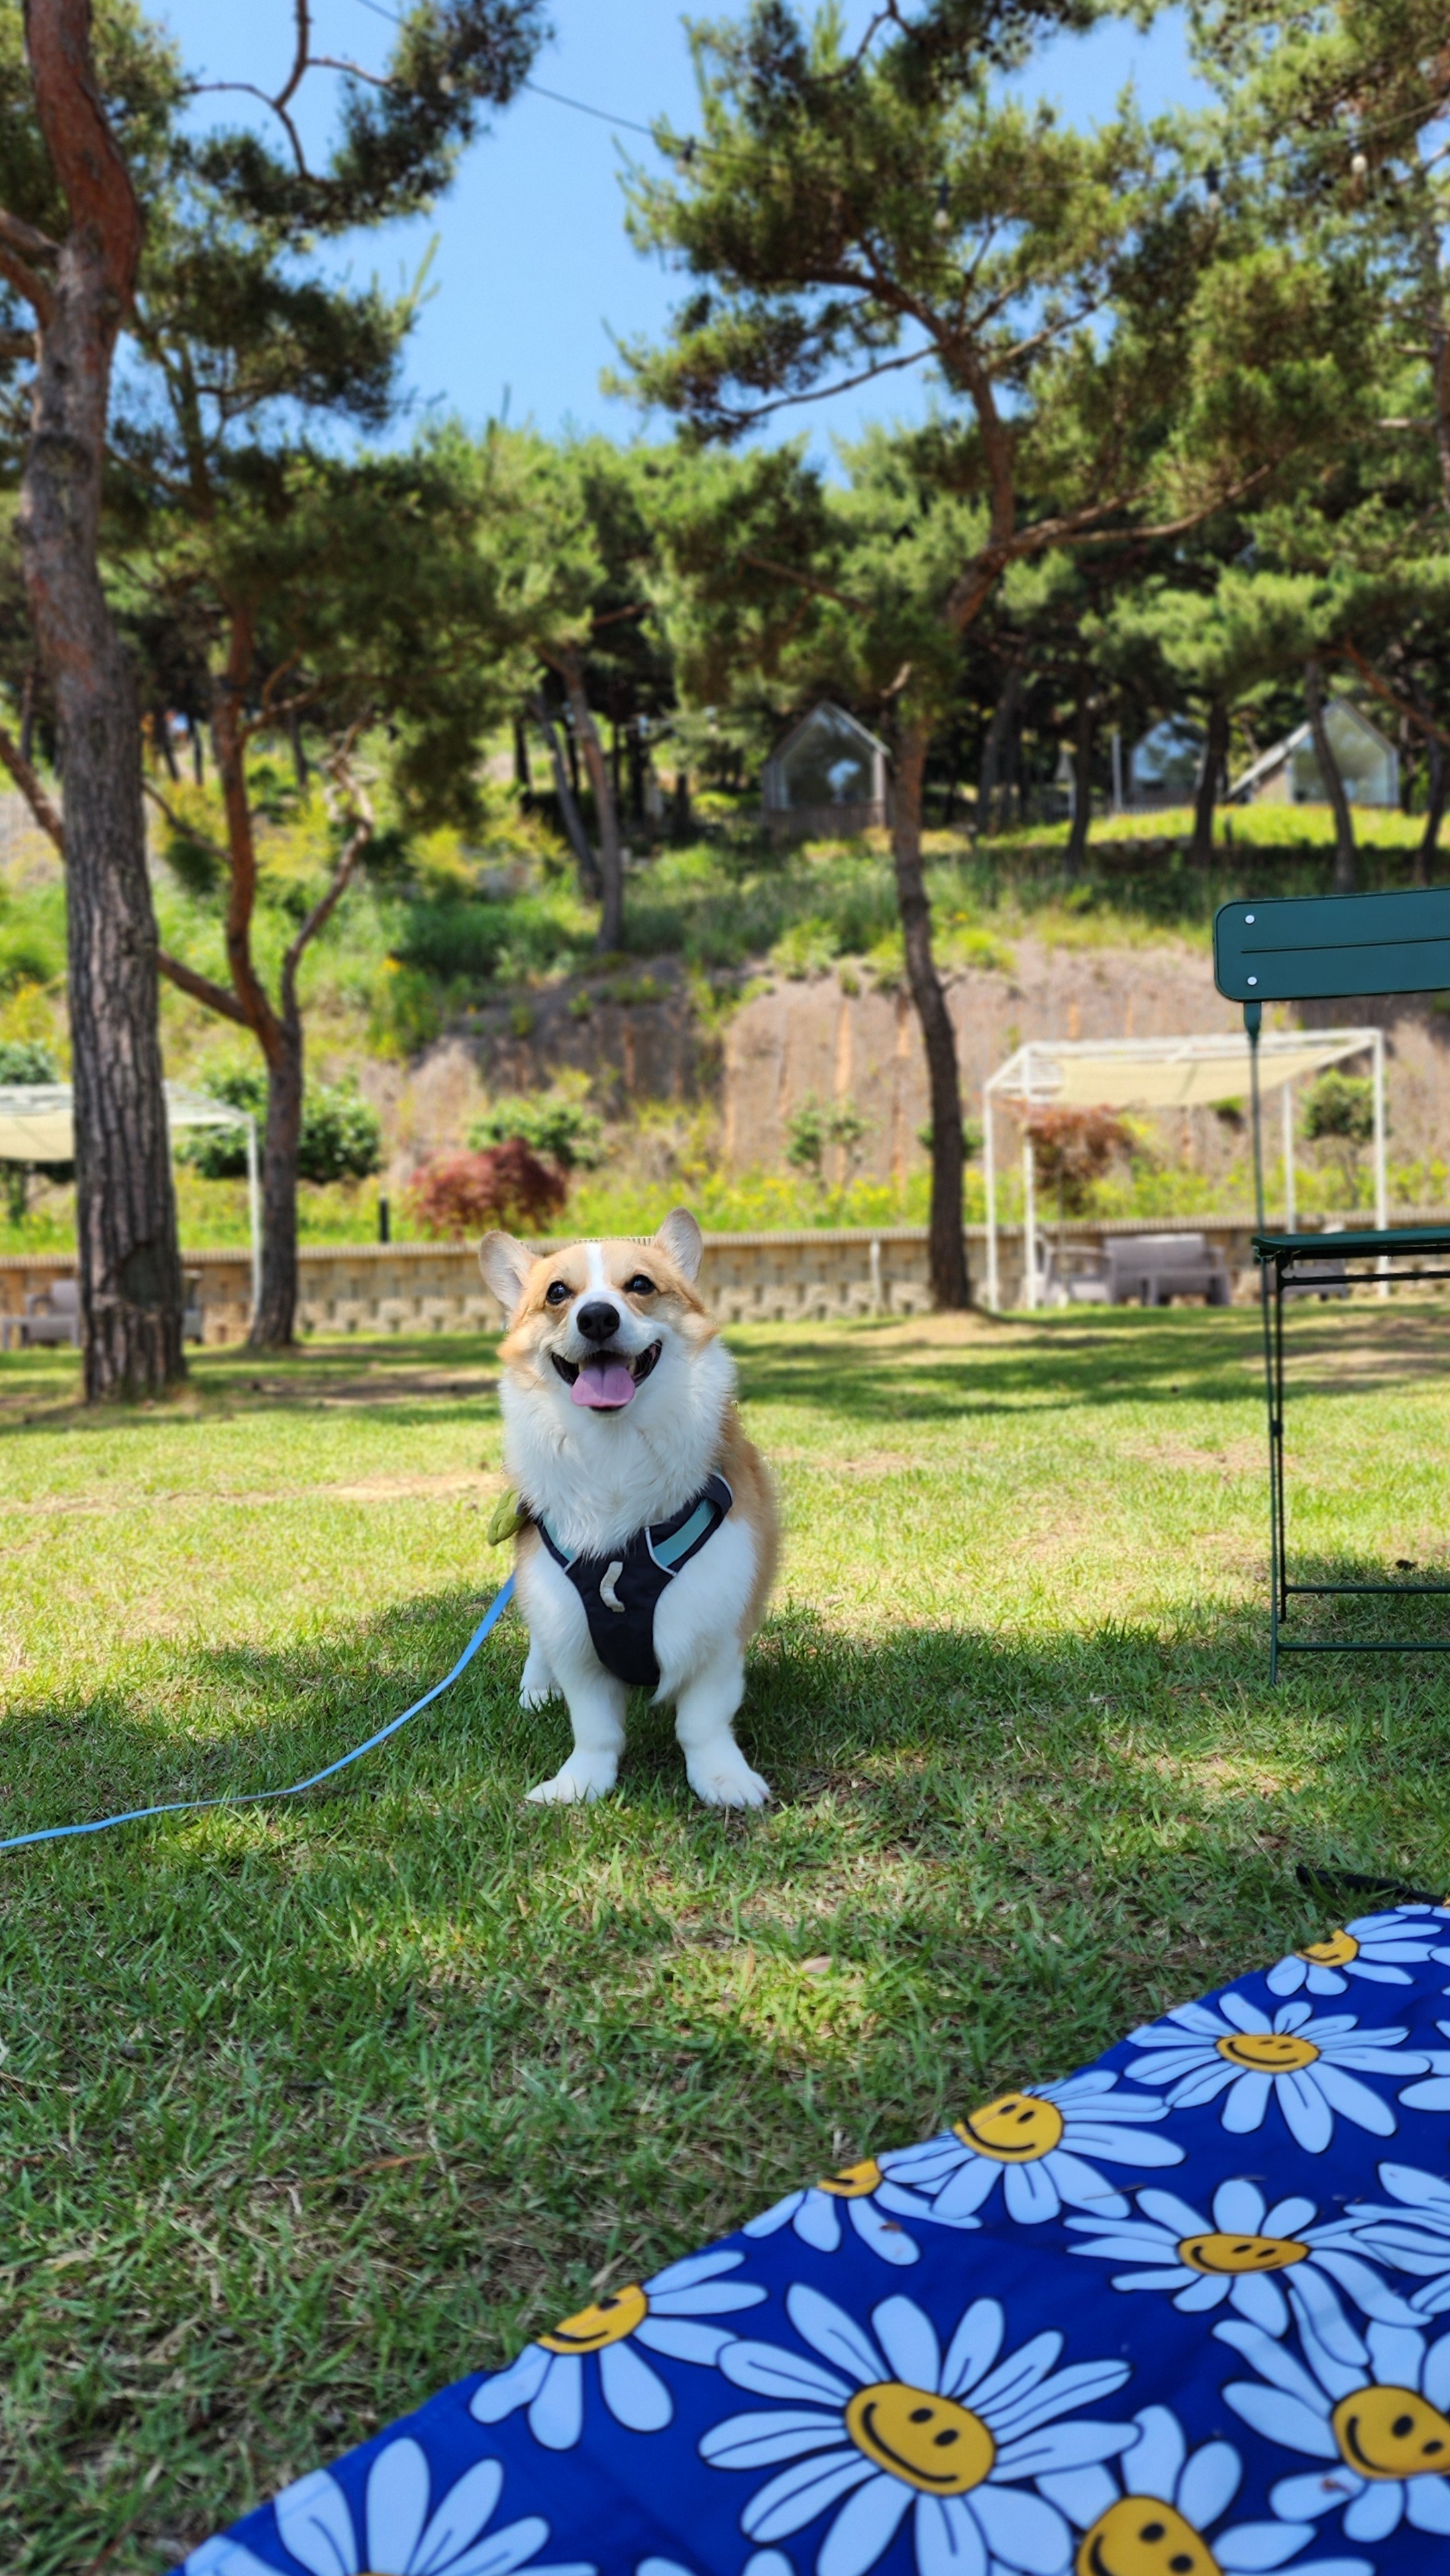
(620, 1593)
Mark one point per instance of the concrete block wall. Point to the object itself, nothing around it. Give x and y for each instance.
(372, 1289)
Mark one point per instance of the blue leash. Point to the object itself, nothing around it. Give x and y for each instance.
(249, 1797)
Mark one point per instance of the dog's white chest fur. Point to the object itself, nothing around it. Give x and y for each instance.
(597, 1479)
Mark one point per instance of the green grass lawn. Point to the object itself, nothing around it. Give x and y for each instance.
(310, 2109)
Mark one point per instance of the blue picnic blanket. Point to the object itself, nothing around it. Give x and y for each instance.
(1187, 2311)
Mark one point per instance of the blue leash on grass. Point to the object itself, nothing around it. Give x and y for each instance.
(250, 1797)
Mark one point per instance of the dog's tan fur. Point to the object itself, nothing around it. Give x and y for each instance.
(597, 1477)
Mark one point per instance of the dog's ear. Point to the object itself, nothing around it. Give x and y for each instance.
(681, 1238)
(505, 1263)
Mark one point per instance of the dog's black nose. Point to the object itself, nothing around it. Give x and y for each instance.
(598, 1321)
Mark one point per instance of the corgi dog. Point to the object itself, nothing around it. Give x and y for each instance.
(650, 1538)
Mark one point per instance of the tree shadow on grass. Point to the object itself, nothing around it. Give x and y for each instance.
(1413, 1609)
(1208, 1357)
(357, 2092)
(827, 1713)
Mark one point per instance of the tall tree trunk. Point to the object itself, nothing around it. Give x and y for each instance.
(1438, 766)
(1344, 852)
(274, 1323)
(1082, 796)
(129, 1264)
(948, 1252)
(523, 775)
(1434, 811)
(586, 734)
(590, 885)
(995, 750)
(1215, 753)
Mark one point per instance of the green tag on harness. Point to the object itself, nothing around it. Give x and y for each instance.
(509, 1517)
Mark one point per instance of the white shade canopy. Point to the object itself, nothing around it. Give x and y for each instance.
(37, 1124)
(1165, 1073)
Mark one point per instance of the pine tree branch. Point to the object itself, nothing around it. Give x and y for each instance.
(346, 796)
(26, 779)
(184, 830)
(1403, 706)
(201, 988)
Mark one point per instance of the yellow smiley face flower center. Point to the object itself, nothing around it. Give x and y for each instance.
(1267, 2052)
(1219, 2253)
(1391, 2433)
(1138, 2536)
(1336, 1952)
(1014, 2130)
(853, 2182)
(608, 2321)
(931, 2442)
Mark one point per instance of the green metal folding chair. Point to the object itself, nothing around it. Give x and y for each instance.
(1325, 949)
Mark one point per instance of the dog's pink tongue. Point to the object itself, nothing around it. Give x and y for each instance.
(603, 1384)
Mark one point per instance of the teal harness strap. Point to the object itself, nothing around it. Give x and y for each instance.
(668, 1551)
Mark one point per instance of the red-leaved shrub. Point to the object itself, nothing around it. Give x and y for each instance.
(1074, 1148)
(458, 1194)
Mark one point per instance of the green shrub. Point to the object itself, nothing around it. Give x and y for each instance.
(557, 1124)
(342, 1138)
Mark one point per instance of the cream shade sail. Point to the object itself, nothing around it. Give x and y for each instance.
(37, 1126)
(1165, 1073)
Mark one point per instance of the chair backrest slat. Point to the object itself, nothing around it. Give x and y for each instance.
(1327, 947)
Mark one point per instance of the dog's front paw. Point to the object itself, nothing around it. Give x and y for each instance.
(537, 1685)
(727, 1781)
(575, 1785)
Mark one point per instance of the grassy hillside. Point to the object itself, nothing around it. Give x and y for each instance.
(438, 931)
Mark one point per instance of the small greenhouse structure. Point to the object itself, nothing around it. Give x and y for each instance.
(1165, 764)
(828, 775)
(1163, 1073)
(1288, 773)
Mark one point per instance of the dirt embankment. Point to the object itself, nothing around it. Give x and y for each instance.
(832, 1038)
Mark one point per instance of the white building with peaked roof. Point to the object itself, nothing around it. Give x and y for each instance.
(1288, 772)
(829, 774)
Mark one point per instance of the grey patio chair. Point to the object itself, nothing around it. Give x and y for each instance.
(54, 1316)
(1155, 1268)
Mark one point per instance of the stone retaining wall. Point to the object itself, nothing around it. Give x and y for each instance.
(375, 1288)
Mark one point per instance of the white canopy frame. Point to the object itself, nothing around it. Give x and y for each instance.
(1162, 1073)
(37, 1125)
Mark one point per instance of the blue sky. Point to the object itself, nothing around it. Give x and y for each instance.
(533, 272)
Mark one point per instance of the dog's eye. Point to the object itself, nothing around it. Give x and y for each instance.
(639, 1286)
(557, 1293)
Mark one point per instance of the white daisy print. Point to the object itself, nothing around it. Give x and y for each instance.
(884, 2425)
(1307, 2063)
(663, 2314)
(762, 2562)
(1381, 1948)
(1043, 2144)
(1433, 2095)
(871, 2201)
(1231, 2254)
(1415, 2236)
(1374, 2425)
(1157, 2514)
(398, 2535)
